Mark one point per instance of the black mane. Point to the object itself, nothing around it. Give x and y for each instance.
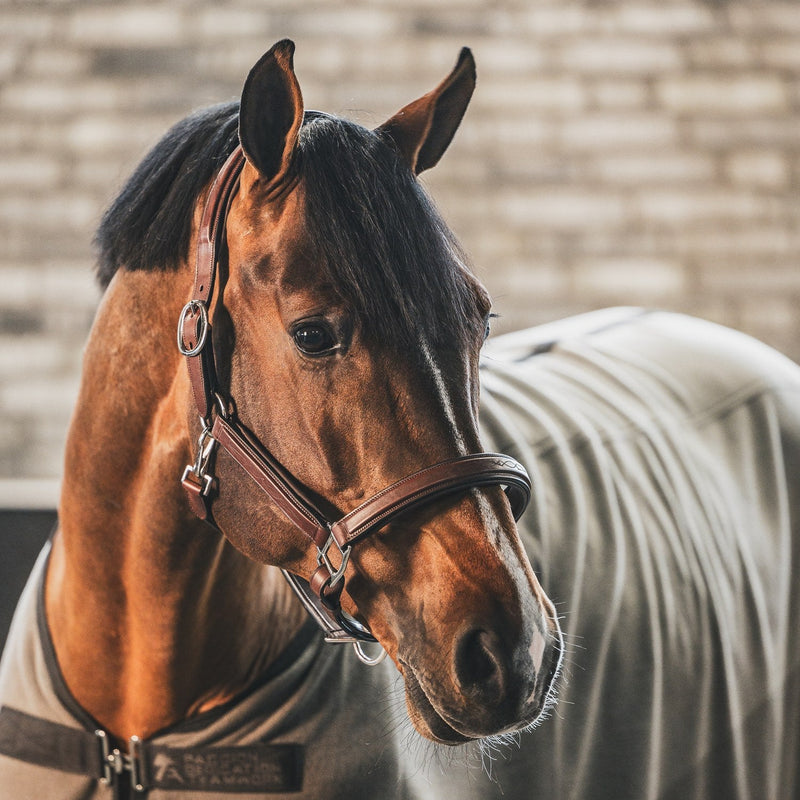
(149, 225)
(387, 251)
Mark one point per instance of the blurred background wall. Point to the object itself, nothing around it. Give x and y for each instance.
(617, 152)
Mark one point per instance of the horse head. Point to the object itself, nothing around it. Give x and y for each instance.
(347, 333)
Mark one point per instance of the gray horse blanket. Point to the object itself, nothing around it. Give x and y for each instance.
(665, 525)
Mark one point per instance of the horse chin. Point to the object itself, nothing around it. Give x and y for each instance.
(435, 725)
(425, 718)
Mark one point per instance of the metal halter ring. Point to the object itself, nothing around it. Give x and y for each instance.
(322, 558)
(192, 307)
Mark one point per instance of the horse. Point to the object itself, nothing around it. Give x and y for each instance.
(311, 455)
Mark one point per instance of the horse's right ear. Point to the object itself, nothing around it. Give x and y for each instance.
(271, 113)
(423, 129)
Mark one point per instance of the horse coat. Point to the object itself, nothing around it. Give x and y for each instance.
(664, 523)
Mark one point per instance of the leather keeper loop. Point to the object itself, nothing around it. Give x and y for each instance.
(320, 585)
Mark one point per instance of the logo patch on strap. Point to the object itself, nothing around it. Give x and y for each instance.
(257, 768)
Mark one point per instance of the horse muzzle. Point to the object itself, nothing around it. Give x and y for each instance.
(489, 688)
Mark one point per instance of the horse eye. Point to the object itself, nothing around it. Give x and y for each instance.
(314, 339)
(488, 329)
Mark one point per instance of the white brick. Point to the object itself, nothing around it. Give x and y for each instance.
(758, 168)
(529, 278)
(758, 243)
(73, 285)
(453, 176)
(350, 23)
(769, 317)
(686, 207)
(29, 172)
(533, 167)
(229, 22)
(602, 55)
(665, 19)
(66, 210)
(31, 25)
(497, 246)
(20, 284)
(30, 355)
(455, 6)
(783, 53)
(620, 94)
(58, 98)
(772, 16)
(126, 25)
(609, 131)
(115, 133)
(38, 396)
(100, 173)
(759, 130)
(10, 57)
(657, 167)
(748, 279)
(627, 279)
(484, 135)
(563, 94)
(706, 94)
(561, 209)
(48, 62)
(548, 21)
(722, 52)
(425, 62)
(517, 57)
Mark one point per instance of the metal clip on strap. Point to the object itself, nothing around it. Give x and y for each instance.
(115, 763)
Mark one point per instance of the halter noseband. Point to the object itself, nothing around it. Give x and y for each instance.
(321, 595)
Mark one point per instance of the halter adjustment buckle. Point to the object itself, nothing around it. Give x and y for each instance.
(192, 308)
(324, 560)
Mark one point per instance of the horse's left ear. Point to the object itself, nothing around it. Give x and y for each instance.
(423, 129)
(271, 113)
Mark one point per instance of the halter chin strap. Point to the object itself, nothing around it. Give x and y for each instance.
(321, 594)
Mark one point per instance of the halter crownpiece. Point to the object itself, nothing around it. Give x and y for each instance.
(321, 595)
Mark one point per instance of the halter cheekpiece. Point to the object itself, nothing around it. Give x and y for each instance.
(321, 595)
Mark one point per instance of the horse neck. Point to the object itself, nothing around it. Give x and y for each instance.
(154, 616)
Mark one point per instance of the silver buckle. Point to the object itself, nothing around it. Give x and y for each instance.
(190, 308)
(115, 762)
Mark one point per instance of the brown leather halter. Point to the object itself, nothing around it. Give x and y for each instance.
(320, 596)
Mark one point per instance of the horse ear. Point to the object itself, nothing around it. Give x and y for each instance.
(271, 113)
(423, 129)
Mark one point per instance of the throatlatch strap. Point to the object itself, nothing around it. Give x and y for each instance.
(244, 769)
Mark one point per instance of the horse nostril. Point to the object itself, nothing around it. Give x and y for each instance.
(479, 667)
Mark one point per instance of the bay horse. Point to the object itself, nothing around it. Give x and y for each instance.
(311, 455)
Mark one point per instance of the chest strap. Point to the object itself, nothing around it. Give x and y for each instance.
(254, 768)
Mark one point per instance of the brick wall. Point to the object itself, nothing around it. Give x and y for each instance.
(642, 152)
